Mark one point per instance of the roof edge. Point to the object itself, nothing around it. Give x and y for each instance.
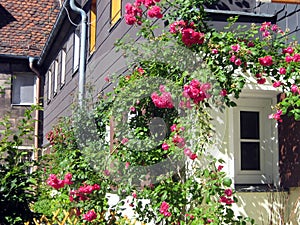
(10, 56)
(60, 18)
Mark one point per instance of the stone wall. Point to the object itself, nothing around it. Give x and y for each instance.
(15, 113)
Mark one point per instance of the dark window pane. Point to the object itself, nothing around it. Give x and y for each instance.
(249, 125)
(250, 156)
(23, 89)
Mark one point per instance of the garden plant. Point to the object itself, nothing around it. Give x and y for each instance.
(147, 141)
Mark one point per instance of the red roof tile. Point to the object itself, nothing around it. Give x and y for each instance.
(25, 25)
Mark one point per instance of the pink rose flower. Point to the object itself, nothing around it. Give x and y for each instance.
(155, 11)
(68, 179)
(187, 151)
(235, 48)
(165, 146)
(232, 58)
(266, 61)
(193, 156)
(238, 62)
(223, 92)
(228, 192)
(289, 58)
(282, 70)
(288, 50)
(294, 89)
(296, 57)
(124, 141)
(173, 127)
(220, 167)
(276, 116)
(276, 84)
(214, 51)
(261, 80)
(164, 209)
(90, 216)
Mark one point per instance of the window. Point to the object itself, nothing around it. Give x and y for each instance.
(63, 67)
(115, 13)
(49, 95)
(93, 25)
(55, 84)
(23, 89)
(254, 141)
(76, 51)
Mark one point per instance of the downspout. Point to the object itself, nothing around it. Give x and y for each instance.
(37, 102)
(81, 80)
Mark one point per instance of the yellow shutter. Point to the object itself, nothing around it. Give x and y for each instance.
(116, 6)
(93, 25)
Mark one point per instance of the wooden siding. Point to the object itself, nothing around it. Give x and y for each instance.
(288, 15)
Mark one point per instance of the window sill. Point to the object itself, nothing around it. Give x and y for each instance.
(75, 71)
(62, 85)
(23, 104)
(91, 56)
(113, 26)
(258, 188)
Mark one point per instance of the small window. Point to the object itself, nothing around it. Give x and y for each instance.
(23, 89)
(49, 95)
(76, 51)
(115, 15)
(253, 144)
(93, 25)
(55, 85)
(249, 140)
(63, 67)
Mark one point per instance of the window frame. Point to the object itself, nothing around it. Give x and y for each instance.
(115, 11)
(93, 27)
(76, 50)
(13, 103)
(49, 88)
(55, 82)
(63, 58)
(269, 172)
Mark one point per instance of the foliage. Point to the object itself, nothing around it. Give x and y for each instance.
(158, 119)
(82, 188)
(16, 182)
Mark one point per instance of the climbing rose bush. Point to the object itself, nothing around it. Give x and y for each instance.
(180, 93)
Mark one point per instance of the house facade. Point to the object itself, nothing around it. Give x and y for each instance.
(80, 53)
(24, 28)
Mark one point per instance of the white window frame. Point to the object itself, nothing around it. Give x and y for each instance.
(76, 50)
(63, 67)
(255, 100)
(49, 94)
(55, 84)
(13, 102)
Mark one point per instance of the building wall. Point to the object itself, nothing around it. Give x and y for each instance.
(274, 207)
(15, 113)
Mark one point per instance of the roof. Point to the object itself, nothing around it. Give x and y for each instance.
(25, 25)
